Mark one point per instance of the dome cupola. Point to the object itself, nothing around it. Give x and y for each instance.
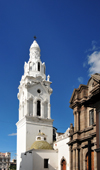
(41, 142)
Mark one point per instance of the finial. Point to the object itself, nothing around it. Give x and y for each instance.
(34, 37)
(48, 78)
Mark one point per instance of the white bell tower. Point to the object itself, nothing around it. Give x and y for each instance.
(34, 103)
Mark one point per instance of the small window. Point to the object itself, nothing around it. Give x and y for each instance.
(46, 163)
(91, 117)
(38, 138)
(44, 138)
(39, 91)
(38, 66)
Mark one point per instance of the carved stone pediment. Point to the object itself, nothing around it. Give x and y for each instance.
(74, 96)
(78, 95)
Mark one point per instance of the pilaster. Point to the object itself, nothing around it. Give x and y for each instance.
(77, 120)
(81, 159)
(70, 158)
(27, 107)
(49, 110)
(42, 109)
(74, 160)
(34, 109)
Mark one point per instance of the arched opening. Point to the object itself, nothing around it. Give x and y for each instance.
(38, 66)
(92, 161)
(38, 108)
(63, 164)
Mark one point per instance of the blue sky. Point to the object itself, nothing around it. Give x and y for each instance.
(68, 33)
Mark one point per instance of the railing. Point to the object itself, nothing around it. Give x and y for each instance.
(62, 136)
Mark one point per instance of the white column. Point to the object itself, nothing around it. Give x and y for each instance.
(49, 110)
(23, 110)
(42, 109)
(19, 112)
(27, 106)
(34, 108)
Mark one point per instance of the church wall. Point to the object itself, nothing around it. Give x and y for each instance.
(63, 152)
(21, 141)
(35, 160)
(32, 131)
(41, 155)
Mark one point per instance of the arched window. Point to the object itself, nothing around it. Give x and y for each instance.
(63, 164)
(38, 108)
(38, 138)
(38, 66)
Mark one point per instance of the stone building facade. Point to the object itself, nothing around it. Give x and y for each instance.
(83, 134)
(93, 101)
(4, 160)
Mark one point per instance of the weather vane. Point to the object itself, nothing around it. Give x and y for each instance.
(34, 37)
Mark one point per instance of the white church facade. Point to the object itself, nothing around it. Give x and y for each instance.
(35, 127)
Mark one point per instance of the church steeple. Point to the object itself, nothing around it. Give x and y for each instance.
(34, 67)
(34, 103)
(34, 89)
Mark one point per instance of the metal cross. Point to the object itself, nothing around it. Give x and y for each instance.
(34, 37)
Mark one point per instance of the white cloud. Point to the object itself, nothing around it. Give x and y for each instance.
(94, 62)
(84, 64)
(13, 134)
(80, 79)
(93, 58)
(94, 47)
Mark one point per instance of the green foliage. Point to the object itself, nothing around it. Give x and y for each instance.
(12, 167)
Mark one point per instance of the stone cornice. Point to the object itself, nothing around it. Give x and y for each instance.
(78, 90)
(78, 140)
(97, 150)
(78, 102)
(38, 119)
(84, 130)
